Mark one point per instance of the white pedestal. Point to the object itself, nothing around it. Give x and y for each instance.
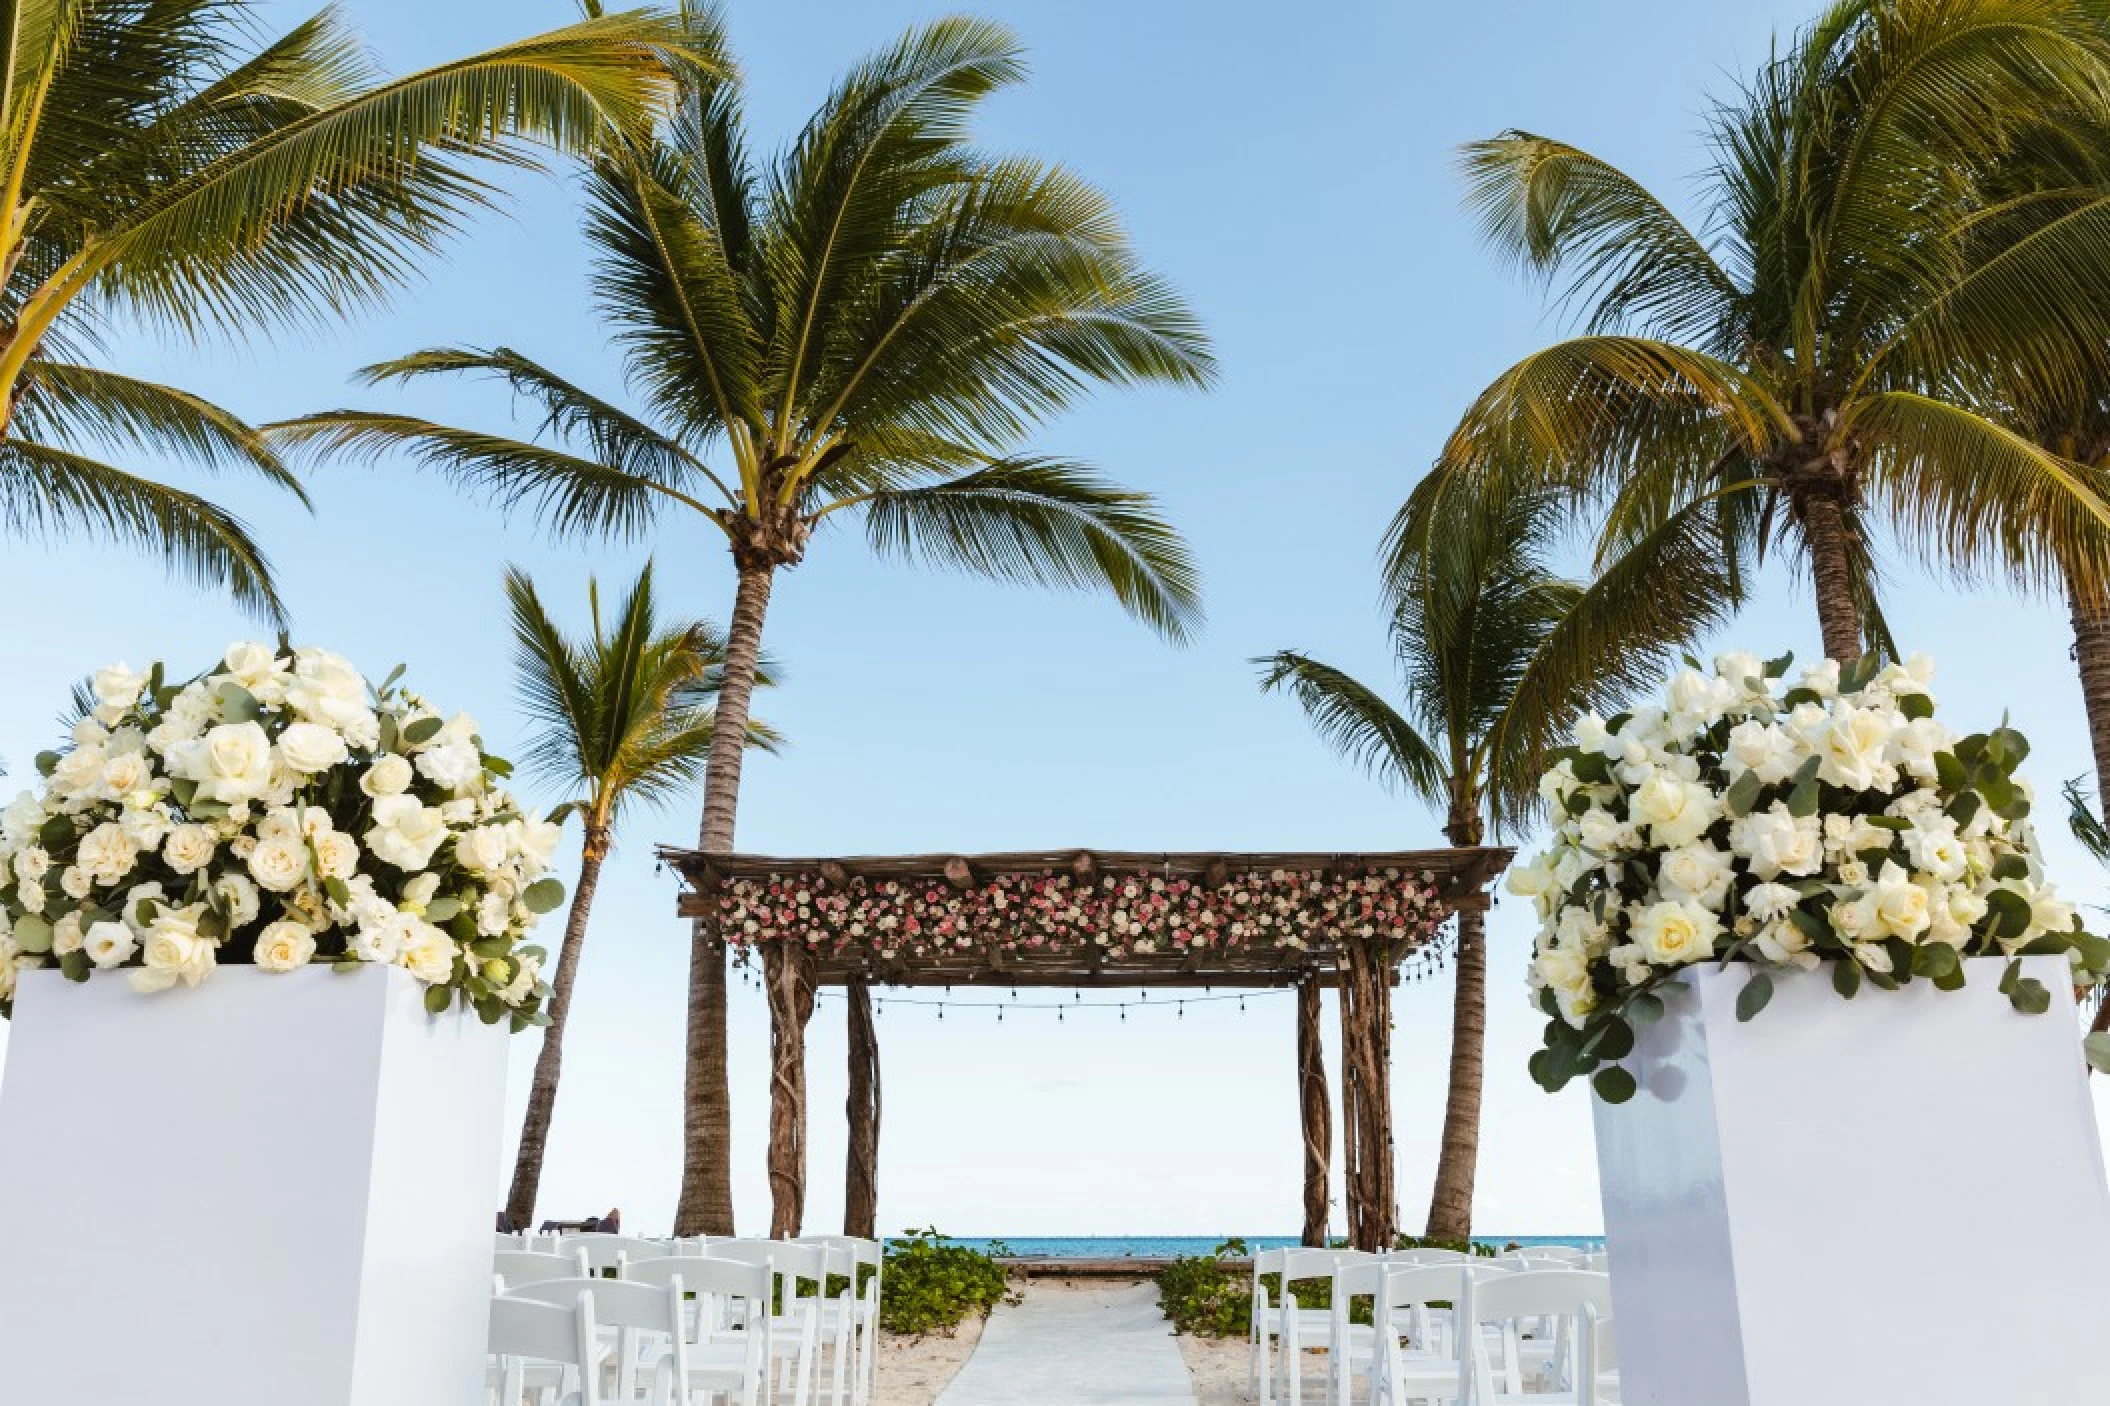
(1897, 1199)
(268, 1191)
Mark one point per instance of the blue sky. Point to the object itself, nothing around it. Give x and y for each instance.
(1290, 168)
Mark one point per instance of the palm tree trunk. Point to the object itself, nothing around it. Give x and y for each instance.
(706, 1205)
(1451, 1205)
(1824, 530)
(2091, 652)
(549, 1065)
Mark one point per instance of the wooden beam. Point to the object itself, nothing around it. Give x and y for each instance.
(861, 1174)
(1316, 1112)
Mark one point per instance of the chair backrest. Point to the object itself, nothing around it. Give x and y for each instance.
(634, 1310)
(1419, 1285)
(862, 1252)
(612, 1251)
(1430, 1257)
(1308, 1263)
(1567, 1253)
(1564, 1295)
(706, 1274)
(529, 1267)
(526, 1330)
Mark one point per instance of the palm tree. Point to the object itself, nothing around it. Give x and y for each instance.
(624, 717)
(1499, 656)
(157, 164)
(1799, 362)
(868, 328)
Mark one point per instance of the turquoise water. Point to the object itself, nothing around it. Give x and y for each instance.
(1112, 1247)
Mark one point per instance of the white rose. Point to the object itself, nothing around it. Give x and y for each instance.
(336, 855)
(80, 772)
(494, 914)
(1936, 849)
(30, 894)
(126, 773)
(138, 894)
(109, 944)
(482, 849)
(2047, 913)
(231, 763)
(1675, 934)
(523, 983)
(325, 688)
(1698, 700)
(279, 865)
(453, 765)
(1567, 974)
(189, 848)
(383, 940)
(32, 863)
(66, 935)
(388, 776)
(1855, 920)
(1677, 812)
(1787, 944)
(1852, 743)
(76, 882)
(1760, 747)
(535, 840)
(1902, 908)
(284, 946)
(428, 953)
(1822, 678)
(1746, 671)
(106, 852)
(1777, 843)
(420, 891)
(405, 833)
(146, 827)
(23, 817)
(310, 747)
(257, 668)
(117, 688)
(174, 951)
(238, 897)
(1698, 872)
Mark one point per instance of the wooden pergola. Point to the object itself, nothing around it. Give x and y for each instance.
(1090, 918)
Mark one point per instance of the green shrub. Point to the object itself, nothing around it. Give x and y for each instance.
(931, 1286)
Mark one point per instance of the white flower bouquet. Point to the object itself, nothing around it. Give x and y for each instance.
(277, 811)
(1785, 826)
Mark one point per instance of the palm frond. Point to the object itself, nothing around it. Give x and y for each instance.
(1357, 722)
(1048, 523)
(47, 493)
(2086, 825)
(1550, 207)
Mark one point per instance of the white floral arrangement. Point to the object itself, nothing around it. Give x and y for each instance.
(1747, 819)
(276, 811)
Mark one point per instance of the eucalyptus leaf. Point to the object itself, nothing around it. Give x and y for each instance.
(1753, 998)
(1846, 977)
(2030, 996)
(417, 734)
(32, 933)
(1614, 1084)
(438, 998)
(544, 895)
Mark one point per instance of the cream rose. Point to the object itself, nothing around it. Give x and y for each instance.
(482, 849)
(310, 747)
(231, 763)
(284, 946)
(428, 953)
(405, 833)
(109, 944)
(388, 776)
(107, 853)
(1676, 934)
(189, 848)
(336, 855)
(279, 865)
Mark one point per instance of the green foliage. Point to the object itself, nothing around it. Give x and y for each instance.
(931, 1286)
(1211, 1295)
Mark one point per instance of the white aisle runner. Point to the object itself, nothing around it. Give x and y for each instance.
(1076, 1347)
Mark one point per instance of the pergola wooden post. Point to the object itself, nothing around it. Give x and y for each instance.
(788, 980)
(1316, 895)
(861, 1170)
(1317, 1114)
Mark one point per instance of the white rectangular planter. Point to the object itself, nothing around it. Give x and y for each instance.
(272, 1190)
(1896, 1199)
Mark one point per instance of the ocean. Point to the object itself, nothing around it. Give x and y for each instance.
(1114, 1247)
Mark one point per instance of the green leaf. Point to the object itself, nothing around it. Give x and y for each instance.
(442, 908)
(1846, 977)
(1802, 801)
(1779, 666)
(32, 933)
(422, 731)
(2030, 996)
(2007, 914)
(438, 998)
(544, 895)
(1949, 771)
(390, 734)
(1935, 959)
(2011, 866)
(340, 892)
(1614, 1084)
(1645, 1009)
(1612, 1040)
(74, 966)
(1963, 807)
(47, 763)
(2012, 747)
(352, 964)
(2050, 944)
(492, 946)
(55, 834)
(1916, 706)
(236, 704)
(1743, 794)
(1753, 998)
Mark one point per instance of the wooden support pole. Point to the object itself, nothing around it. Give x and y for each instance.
(788, 973)
(1318, 1115)
(861, 1177)
(1366, 1120)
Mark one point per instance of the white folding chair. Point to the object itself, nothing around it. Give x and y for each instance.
(515, 1267)
(646, 1320)
(716, 1360)
(1417, 1342)
(1568, 1374)
(1306, 1329)
(532, 1339)
(795, 1337)
(1262, 1324)
(865, 1290)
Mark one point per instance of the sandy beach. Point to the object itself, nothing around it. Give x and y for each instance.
(912, 1371)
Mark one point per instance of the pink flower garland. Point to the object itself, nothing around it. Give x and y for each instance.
(1124, 914)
